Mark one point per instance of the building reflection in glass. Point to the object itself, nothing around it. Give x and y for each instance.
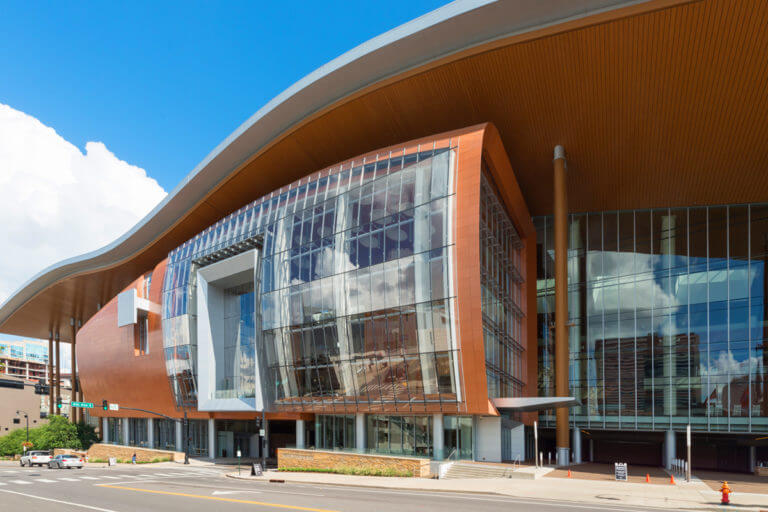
(668, 317)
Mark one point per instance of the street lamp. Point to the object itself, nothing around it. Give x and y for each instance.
(26, 417)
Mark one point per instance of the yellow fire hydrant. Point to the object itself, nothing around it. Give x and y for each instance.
(725, 500)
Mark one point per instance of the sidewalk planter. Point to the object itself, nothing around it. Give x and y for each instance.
(101, 451)
(319, 460)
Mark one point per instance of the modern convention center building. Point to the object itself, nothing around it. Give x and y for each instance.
(495, 214)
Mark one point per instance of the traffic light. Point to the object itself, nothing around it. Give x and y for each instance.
(41, 388)
(105, 405)
(58, 402)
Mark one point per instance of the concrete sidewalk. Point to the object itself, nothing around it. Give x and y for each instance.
(686, 496)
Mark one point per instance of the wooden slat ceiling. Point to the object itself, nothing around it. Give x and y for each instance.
(665, 107)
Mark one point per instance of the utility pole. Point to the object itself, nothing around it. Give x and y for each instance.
(186, 437)
(264, 441)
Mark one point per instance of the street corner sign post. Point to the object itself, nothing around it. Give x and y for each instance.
(84, 405)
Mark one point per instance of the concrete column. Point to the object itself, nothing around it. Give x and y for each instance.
(438, 437)
(58, 374)
(591, 450)
(669, 365)
(51, 388)
(577, 446)
(562, 442)
(151, 432)
(211, 438)
(300, 442)
(105, 430)
(126, 432)
(752, 459)
(74, 413)
(179, 440)
(670, 450)
(360, 440)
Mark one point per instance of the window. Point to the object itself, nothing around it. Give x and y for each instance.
(141, 335)
(146, 284)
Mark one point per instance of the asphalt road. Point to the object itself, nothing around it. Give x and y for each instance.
(197, 489)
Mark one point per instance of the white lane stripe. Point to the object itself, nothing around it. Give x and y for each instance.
(68, 479)
(1, 483)
(111, 477)
(88, 478)
(45, 480)
(59, 501)
(20, 482)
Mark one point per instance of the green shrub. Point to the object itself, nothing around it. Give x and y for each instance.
(350, 471)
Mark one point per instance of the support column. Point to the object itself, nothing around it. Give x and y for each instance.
(151, 432)
(438, 438)
(670, 450)
(562, 443)
(179, 440)
(126, 431)
(577, 446)
(58, 373)
(105, 430)
(752, 459)
(669, 364)
(300, 429)
(360, 440)
(51, 388)
(74, 413)
(591, 450)
(211, 438)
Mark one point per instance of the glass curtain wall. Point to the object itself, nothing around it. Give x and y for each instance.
(114, 431)
(137, 432)
(198, 438)
(501, 279)
(668, 316)
(164, 434)
(399, 435)
(335, 432)
(236, 358)
(458, 437)
(357, 300)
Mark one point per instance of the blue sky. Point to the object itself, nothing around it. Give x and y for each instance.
(162, 83)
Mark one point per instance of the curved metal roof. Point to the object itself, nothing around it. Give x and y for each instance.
(440, 34)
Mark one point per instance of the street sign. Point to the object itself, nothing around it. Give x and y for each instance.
(620, 471)
(84, 405)
(114, 407)
(256, 469)
(261, 432)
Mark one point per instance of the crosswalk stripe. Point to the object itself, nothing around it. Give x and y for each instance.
(45, 480)
(68, 479)
(111, 477)
(20, 482)
(1, 483)
(88, 478)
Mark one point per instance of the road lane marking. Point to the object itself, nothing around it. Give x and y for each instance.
(68, 479)
(112, 477)
(58, 501)
(88, 478)
(216, 498)
(45, 480)
(20, 482)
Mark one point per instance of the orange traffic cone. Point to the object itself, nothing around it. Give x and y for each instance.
(672, 479)
(569, 473)
(647, 478)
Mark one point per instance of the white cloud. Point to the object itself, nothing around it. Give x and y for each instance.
(56, 201)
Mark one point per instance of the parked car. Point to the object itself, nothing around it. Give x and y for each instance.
(66, 462)
(35, 458)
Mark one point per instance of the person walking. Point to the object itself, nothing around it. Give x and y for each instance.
(133, 459)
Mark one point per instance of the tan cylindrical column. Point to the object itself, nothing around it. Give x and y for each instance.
(51, 398)
(74, 412)
(58, 374)
(562, 441)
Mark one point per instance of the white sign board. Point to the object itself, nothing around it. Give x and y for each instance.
(114, 407)
(113, 461)
(261, 432)
(256, 469)
(238, 454)
(620, 471)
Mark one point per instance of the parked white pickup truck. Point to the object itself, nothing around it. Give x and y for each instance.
(35, 458)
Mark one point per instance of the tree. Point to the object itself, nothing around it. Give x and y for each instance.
(87, 435)
(57, 433)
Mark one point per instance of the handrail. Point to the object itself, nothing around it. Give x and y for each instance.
(451, 454)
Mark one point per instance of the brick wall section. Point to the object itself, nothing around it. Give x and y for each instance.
(105, 451)
(320, 459)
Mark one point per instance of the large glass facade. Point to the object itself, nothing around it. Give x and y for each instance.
(335, 431)
(399, 435)
(356, 300)
(668, 317)
(236, 350)
(501, 279)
